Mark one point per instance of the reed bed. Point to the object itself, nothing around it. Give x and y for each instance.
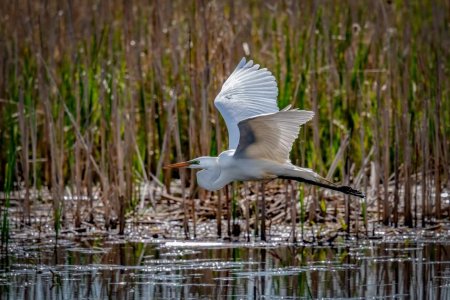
(97, 96)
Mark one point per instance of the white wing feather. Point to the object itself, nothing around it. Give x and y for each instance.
(271, 136)
(248, 92)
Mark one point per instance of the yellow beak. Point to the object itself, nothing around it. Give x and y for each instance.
(178, 165)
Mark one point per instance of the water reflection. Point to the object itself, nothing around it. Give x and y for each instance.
(101, 269)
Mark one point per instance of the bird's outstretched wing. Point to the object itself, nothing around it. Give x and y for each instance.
(248, 92)
(271, 136)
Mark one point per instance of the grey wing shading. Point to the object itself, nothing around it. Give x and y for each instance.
(271, 136)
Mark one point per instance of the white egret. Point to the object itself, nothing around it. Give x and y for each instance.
(260, 135)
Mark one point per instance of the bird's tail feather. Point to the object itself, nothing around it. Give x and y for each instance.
(308, 176)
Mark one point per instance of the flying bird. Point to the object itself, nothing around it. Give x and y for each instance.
(260, 135)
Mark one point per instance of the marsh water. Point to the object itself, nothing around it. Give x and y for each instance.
(109, 267)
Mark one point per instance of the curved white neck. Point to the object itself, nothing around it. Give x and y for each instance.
(211, 177)
(208, 178)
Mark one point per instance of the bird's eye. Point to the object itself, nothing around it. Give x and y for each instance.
(194, 162)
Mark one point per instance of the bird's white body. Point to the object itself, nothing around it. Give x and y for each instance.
(226, 168)
(260, 135)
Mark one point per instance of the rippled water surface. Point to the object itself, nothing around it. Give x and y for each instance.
(102, 268)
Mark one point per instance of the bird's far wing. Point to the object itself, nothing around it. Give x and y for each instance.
(248, 92)
(271, 136)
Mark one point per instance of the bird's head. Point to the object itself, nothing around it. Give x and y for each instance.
(207, 177)
(203, 162)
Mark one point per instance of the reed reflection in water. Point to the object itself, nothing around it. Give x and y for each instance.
(96, 269)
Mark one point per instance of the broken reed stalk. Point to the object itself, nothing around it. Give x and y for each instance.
(294, 212)
(194, 217)
(219, 214)
(23, 126)
(8, 188)
(180, 157)
(377, 163)
(437, 139)
(386, 161)
(247, 211)
(54, 154)
(256, 223)
(347, 198)
(262, 210)
(361, 106)
(313, 78)
(424, 185)
(406, 144)
(286, 197)
(396, 172)
(78, 162)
